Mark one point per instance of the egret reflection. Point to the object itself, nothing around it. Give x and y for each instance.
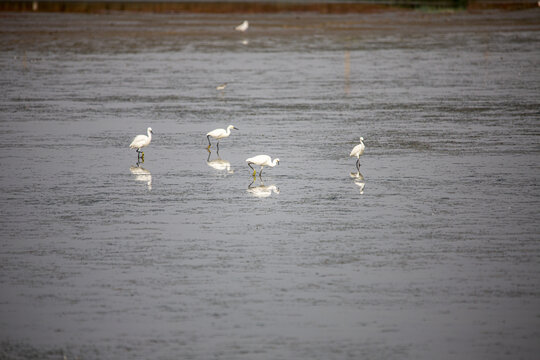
(262, 191)
(359, 180)
(223, 166)
(141, 174)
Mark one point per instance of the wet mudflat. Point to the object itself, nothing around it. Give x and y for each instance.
(432, 251)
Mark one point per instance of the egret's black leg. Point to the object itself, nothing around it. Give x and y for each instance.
(358, 164)
(254, 171)
(208, 138)
(260, 172)
(217, 145)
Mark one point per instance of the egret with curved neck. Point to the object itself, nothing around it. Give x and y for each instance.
(262, 161)
(358, 151)
(219, 134)
(141, 141)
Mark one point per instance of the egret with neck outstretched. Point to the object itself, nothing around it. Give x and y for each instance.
(357, 151)
(219, 134)
(262, 161)
(141, 141)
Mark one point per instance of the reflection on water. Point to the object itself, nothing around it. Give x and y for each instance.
(223, 166)
(141, 174)
(262, 191)
(359, 180)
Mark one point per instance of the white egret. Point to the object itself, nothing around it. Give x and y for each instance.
(219, 134)
(141, 141)
(262, 161)
(221, 87)
(243, 26)
(358, 151)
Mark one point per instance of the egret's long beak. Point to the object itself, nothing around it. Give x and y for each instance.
(235, 128)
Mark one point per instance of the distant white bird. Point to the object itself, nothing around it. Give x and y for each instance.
(219, 134)
(141, 141)
(243, 26)
(262, 161)
(221, 87)
(358, 151)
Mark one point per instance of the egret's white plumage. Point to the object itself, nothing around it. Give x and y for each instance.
(141, 141)
(358, 151)
(221, 87)
(262, 161)
(243, 26)
(219, 134)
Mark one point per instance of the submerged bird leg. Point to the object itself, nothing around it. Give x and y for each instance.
(208, 138)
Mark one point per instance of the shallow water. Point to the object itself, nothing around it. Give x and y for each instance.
(433, 252)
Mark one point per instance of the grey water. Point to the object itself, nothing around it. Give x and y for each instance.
(432, 251)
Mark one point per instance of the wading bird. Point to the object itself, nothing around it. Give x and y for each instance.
(358, 151)
(243, 26)
(262, 161)
(221, 87)
(141, 141)
(219, 134)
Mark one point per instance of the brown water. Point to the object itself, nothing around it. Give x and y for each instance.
(180, 258)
